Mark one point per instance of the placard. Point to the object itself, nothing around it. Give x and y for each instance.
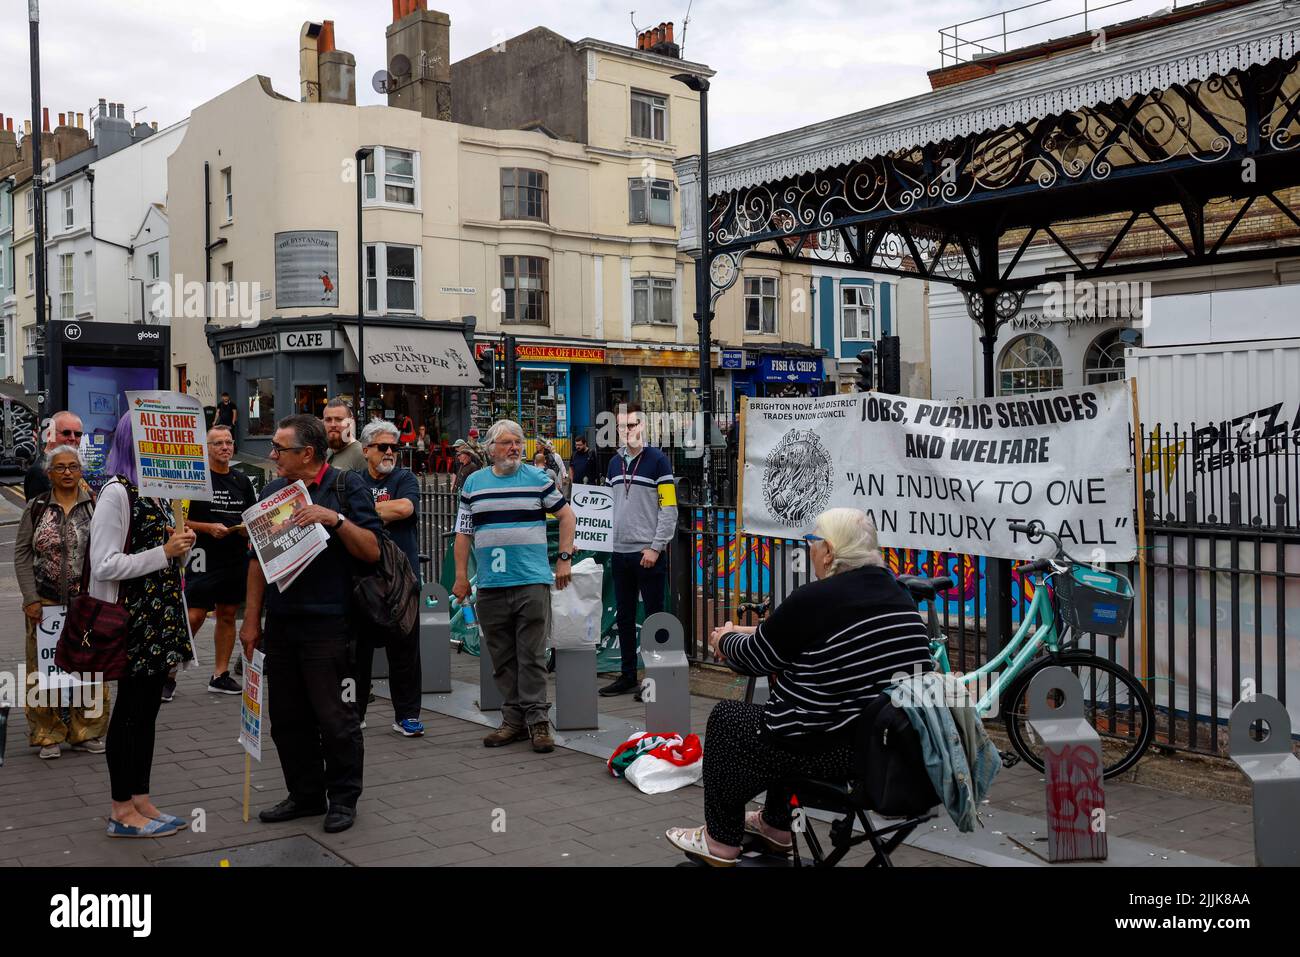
(170, 438)
(254, 702)
(48, 674)
(948, 476)
(593, 508)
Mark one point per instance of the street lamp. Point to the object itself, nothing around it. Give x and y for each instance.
(361, 156)
(703, 315)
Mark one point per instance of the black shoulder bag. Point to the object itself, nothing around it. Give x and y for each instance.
(388, 594)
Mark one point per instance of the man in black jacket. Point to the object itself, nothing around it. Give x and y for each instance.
(314, 722)
(583, 467)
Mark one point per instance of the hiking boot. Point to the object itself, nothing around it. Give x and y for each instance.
(543, 743)
(506, 734)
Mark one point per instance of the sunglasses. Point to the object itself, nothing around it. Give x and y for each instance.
(383, 446)
(70, 433)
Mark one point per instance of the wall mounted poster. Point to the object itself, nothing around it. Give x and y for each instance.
(306, 268)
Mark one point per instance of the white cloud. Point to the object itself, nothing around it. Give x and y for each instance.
(780, 64)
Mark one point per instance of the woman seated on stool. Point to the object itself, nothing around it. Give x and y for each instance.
(832, 646)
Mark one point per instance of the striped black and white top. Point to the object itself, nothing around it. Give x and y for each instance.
(832, 646)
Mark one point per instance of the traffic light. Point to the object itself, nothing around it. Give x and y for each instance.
(510, 357)
(891, 365)
(487, 368)
(866, 371)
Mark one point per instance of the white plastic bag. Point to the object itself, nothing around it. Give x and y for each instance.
(576, 610)
(675, 764)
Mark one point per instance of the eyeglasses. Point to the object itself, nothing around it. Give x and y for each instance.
(70, 433)
(813, 538)
(383, 446)
(281, 449)
(73, 467)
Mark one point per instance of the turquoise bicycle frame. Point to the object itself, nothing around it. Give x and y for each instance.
(1036, 631)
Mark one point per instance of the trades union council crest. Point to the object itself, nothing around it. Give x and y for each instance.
(797, 478)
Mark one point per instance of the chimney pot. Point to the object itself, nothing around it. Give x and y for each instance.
(325, 42)
(45, 119)
(81, 121)
(670, 33)
(62, 117)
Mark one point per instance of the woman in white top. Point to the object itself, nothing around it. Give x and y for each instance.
(136, 558)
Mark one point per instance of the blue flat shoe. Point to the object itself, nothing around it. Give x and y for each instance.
(177, 822)
(153, 829)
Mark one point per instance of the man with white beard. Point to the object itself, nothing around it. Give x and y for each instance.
(503, 517)
(397, 500)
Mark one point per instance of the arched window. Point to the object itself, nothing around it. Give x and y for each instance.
(1104, 361)
(1029, 364)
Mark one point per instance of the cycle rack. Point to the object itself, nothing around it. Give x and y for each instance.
(575, 689)
(1076, 798)
(1274, 773)
(666, 689)
(435, 640)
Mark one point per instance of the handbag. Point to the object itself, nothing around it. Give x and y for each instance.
(93, 640)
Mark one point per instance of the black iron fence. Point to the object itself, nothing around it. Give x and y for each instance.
(1222, 558)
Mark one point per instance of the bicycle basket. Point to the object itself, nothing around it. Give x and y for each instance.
(1094, 601)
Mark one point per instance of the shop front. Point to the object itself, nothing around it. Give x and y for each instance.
(775, 375)
(417, 373)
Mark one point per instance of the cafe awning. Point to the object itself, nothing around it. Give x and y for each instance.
(414, 356)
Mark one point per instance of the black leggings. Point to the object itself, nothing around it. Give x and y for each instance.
(738, 765)
(130, 734)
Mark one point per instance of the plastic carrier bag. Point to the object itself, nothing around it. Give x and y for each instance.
(576, 610)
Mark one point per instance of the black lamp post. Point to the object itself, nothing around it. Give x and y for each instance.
(361, 156)
(703, 313)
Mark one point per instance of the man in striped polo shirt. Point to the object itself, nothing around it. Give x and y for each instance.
(503, 518)
(645, 519)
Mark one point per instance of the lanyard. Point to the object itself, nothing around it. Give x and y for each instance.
(627, 481)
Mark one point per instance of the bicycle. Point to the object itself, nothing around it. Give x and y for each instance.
(1115, 702)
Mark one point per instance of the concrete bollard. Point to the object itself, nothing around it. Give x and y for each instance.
(1076, 799)
(435, 640)
(666, 689)
(1274, 773)
(575, 689)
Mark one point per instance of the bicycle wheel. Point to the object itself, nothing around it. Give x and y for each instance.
(1114, 702)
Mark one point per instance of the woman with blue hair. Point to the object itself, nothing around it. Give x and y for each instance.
(136, 557)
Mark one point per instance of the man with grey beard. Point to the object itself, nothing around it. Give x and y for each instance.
(503, 518)
(397, 500)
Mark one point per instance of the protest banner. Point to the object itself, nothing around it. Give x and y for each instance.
(593, 509)
(283, 550)
(48, 674)
(948, 476)
(250, 719)
(169, 436)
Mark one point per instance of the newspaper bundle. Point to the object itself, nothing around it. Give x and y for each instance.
(283, 550)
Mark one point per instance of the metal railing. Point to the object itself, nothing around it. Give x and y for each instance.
(954, 48)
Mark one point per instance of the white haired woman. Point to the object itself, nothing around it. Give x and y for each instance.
(833, 646)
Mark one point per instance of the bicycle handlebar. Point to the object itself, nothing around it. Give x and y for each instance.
(1035, 532)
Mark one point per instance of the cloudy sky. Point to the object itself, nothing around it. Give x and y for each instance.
(781, 63)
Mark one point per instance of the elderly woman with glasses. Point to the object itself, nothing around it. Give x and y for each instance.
(53, 537)
(832, 646)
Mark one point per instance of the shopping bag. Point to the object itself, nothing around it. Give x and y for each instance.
(656, 763)
(576, 610)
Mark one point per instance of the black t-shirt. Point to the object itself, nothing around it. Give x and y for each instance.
(400, 483)
(232, 492)
(225, 413)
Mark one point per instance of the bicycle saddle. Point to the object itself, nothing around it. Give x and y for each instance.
(924, 589)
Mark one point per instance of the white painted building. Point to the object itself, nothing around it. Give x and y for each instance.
(97, 208)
